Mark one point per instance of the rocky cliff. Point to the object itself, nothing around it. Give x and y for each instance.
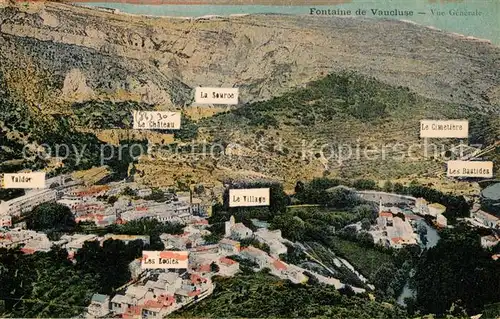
(55, 56)
(160, 60)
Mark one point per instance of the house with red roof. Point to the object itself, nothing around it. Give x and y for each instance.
(227, 267)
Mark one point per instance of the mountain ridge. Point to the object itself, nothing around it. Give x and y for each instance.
(264, 55)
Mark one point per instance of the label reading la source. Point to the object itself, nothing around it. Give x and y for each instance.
(157, 120)
(164, 259)
(249, 197)
(24, 180)
(444, 129)
(470, 169)
(205, 95)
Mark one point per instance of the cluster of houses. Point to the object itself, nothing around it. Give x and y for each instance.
(92, 204)
(394, 228)
(89, 204)
(33, 241)
(434, 210)
(155, 293)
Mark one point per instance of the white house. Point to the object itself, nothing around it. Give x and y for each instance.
(436, 209)
(256, 255)
(99, 305)
(26, 203)
(486, 219)
(228, 246)
(421, 206)
(273, 239)
(489, 241)
(5, 221)
(237, 231)
(441, 220)
(228, 267)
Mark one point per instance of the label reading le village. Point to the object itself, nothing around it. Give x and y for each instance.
(205, 95)
(157, 120)
(470, 169)
(24, 180)
(444, 129)
(164, 259)
(249, 197)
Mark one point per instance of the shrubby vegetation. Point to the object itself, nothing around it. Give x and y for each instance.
(457, 271)
(98, 114)
(51, 217)
(261, 295)
(49, 285)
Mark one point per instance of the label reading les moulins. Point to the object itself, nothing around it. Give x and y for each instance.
(470, 169)
(157, 120)
(164, 259)
(249, 197)
(24, 180)
(444, 129)
(204, 95)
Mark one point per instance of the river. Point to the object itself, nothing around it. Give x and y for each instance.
(432, 240)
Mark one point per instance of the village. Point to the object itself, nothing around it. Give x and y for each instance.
(151, 293)
(155, 293)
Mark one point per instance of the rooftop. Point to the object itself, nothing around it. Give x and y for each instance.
(279, 265)
(492, 192)
(99, 298)
(227, 261)
(437, 206)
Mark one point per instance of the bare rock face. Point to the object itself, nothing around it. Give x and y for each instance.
(49, 19)
(263, 56)
(75, 87)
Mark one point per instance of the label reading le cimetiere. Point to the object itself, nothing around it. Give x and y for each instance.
(204, 95)
(24, 180)
(157, 120)
(470, 169)
(444, 129)
(249, 197)
(164, 259)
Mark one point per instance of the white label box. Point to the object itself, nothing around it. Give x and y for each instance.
(164, 259)
(247, 197)
(156, 120)
(470, 169)
(207, 95)
(444, 129)
(24, 180)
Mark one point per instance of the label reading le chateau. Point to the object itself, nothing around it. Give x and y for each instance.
(205, 95)
(164, 259)
(157, 120)
(24, 180)
(470, 169)
(444, 129)
(249, 197)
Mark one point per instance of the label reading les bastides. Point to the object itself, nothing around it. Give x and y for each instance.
(249, 197)
(470, 169)
(444, 129)
(24, 180)
(164, 259)
(205, 95)
(157, 120)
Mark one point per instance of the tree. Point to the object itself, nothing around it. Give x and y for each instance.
(112, 199)
(127, 191)
(457, 268)
(388, 186)
(362, 184)
(214, 267)
(299, 187)
(51, 216)
(398, 188)
(365, 224)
